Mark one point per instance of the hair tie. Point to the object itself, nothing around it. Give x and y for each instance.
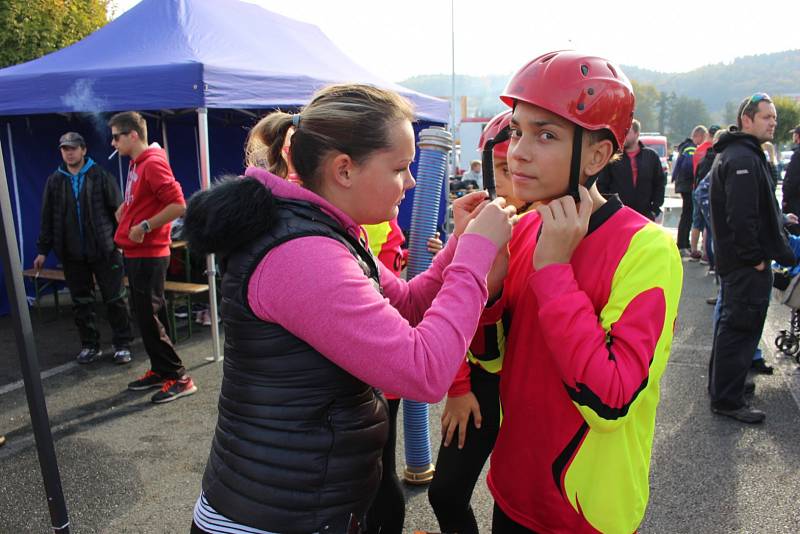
(296, 120)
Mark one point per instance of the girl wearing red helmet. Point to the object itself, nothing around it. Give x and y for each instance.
(387, 511)
(473, 398)
(592, 290)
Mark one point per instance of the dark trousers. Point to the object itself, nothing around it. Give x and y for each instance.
(744, 299)
(146, 278)
(685, 223)
(388, 511)
(457, 470)
(502, 524)
(80, 278)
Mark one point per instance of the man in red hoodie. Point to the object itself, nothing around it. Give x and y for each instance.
(153, 199)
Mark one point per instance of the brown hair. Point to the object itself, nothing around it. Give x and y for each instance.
(749, 107)
(263, 148)
(130, 121)
(351, 119)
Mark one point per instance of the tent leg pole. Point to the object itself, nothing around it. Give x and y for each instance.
(164, 136)
(23, 332)
(211, 268)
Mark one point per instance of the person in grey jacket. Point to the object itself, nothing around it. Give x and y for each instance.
(78, 225)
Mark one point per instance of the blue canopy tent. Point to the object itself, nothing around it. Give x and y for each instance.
(185, 63)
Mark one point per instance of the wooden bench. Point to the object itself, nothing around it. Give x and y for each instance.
(176, 291)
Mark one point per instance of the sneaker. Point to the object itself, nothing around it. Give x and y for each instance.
(122, 355)
(695, 256)
(207, 319)
(89, 355)
(174, 389)
(712, 301)
(182, 312)
(760, 366)
(2, 440)
(147, 381)
(703, 261)
(745, 414)
(685, 252)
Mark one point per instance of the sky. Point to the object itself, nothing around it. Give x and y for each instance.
(396, 39)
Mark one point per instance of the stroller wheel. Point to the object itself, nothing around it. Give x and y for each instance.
(780, 340)
(792, 346)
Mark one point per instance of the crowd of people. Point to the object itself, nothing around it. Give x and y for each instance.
(546, 318)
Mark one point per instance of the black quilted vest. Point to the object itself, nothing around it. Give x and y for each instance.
(298, 441)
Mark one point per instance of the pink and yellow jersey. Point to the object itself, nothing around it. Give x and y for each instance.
(588, 343)
(385, 242)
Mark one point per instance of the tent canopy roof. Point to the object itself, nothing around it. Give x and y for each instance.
(168, 54)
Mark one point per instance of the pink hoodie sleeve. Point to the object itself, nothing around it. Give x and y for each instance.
(412, 298)
(313, 287)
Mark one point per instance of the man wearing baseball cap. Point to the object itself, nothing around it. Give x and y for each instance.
(78, 225)
(791, 181)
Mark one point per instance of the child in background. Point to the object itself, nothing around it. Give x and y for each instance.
(474, 398)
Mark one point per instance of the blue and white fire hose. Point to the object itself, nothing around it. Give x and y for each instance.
(434, 144)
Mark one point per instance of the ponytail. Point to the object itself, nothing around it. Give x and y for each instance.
(265, 143)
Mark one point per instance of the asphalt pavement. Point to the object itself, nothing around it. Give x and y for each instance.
(128, 466)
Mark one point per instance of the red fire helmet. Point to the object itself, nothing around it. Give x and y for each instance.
(490, 131)
(587, 90)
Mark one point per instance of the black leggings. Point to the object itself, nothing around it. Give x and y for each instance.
(388, 511)
(685, 222)
(502, 524)
(457, 470)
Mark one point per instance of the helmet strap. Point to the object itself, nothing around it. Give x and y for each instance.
(575, 167)
(487, 161)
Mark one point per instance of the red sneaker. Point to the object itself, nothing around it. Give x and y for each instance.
(174, 389)
(147, 381)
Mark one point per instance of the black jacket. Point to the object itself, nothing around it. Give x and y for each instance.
(704, 167)
(298, 441)
(791, 184)
(745, 220)
(647, 196)
(59, 230)
(682, 172)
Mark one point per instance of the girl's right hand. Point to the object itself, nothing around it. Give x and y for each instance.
(466, 208)
(494, 222)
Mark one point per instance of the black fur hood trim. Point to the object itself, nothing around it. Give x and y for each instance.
(234, 211)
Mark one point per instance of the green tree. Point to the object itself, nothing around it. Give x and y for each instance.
(729, 114)
(33, 28)
(685, 114)
(647, 99)
(665, 102)
(788, 117)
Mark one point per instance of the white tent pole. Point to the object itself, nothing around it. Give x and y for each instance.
(20, 233)
(164, 137)
(205, 183)
(197, 151)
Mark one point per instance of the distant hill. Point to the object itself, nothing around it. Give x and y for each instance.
(715, 85)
